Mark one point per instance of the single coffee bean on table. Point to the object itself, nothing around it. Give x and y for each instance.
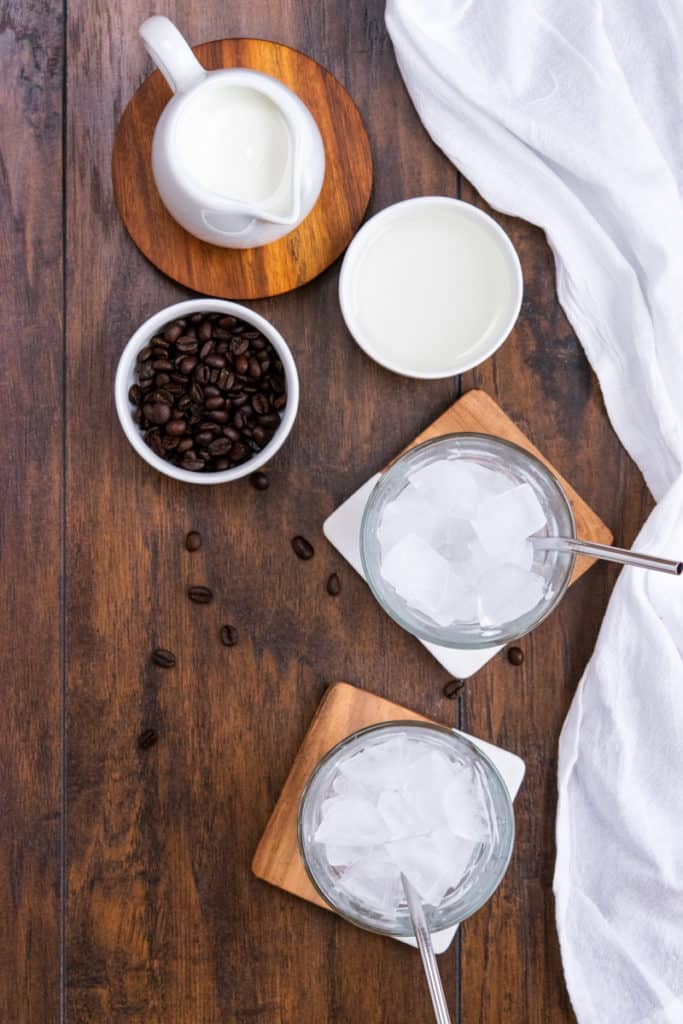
(200, 595)
(229, 636)
(259, 481)
(453, 688)
(163, 658)
(210, 372)
(193, 541)
(302, 548)
(515, 655)
(333, 585)
(147, 738)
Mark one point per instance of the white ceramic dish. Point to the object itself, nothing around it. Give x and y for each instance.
(430, 287)
(125, 377)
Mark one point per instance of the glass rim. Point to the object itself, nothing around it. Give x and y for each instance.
(434, 636)
(452, 734)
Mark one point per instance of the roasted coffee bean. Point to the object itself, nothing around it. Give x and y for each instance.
(173, 333)
(280, 402)
(260, 435)
(204, 332)
(211, 391)
(185, 444)
(229, 636)
(204, 437)
(238, 452)
(162, 364)
(269, 420)
(161, 380)
(259, 481)
(333, 585)
(145, 354)
(200, 595)
(218, 415)
(137, 416)
(233, 434)
(215, 403)
(202, 374)
(241, 364)
(238, 346)
(206, 349)
(515, 655)
(187, 364)
(153, 439)
(196, 393)
(193, 541)
(157, 412)
(221, 446)
(163, 658)
(221, 464)
(238, 420)
(175, 427)
(302, 548)
(239, 400)
(453, 687)
(187, 346)
(227, 321)
(183, 402)
(168, 443)
(135, 394)
(254, 367)
(193, 465)
(260, 404)
(215, 361)
(147, 738)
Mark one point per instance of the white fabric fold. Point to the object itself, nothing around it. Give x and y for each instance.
(570, 115)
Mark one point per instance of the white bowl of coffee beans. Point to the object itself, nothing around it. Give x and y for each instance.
(207, 391)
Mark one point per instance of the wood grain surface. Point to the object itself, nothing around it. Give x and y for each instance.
(270, 269)
(163, 921)
(31, 424)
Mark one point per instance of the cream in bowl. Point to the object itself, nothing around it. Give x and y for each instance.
(206, 391)
(430, 287)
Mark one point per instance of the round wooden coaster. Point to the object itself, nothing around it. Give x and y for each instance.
(269, 269)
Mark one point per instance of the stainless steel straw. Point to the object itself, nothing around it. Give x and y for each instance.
(424, 942)
(608, 553)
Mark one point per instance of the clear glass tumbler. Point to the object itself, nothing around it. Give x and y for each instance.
(484, 872)
(520, 467)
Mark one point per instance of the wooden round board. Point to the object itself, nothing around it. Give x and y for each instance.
(269, 269)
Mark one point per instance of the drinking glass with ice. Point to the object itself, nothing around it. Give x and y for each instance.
(447, 540)
(405, 798)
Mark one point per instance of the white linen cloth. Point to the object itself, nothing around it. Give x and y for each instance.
(570, 115)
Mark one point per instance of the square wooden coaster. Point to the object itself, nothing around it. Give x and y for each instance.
(343, 710)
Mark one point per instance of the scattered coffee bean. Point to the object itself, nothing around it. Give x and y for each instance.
(193, 541)
(200, 595)
(147, 738)
(302, 548)
(333, 585)
(515, 655)
(229, 636)
(453, 688)
(260, 481)
(163, 658)
(202, 374)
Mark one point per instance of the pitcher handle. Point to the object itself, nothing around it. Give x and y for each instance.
(171, 53)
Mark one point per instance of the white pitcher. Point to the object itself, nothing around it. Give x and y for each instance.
(237, 157)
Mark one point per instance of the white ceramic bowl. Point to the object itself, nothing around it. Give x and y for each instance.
(125, 377)
(430, 287)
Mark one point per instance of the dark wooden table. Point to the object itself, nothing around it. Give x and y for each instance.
(125, 890)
